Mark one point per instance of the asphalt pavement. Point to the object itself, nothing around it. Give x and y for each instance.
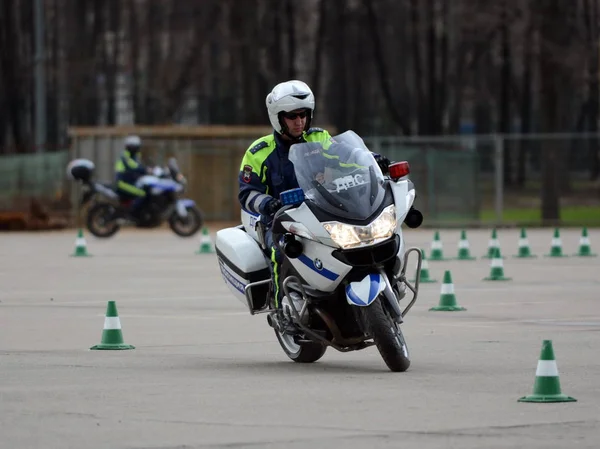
(205, 373)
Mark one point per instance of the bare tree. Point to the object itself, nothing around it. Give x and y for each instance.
(591, 17)
(553, 33)
(385, 66)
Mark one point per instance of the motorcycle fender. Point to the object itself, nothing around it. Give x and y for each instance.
(363, 293)
(182, 206)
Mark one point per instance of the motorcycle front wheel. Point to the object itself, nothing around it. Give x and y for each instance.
(101, 220)
(186, 226)
(387, 336)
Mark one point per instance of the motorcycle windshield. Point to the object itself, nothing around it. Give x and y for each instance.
(339, 176)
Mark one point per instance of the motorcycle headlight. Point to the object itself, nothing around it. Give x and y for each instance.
(349, 236)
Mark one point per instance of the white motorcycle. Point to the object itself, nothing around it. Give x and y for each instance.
(343, 273)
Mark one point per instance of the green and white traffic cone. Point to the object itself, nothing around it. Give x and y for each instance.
(524, 250)
(585, 249)
(547, 383)
(492, 245)
(425, 278)
(206, 246)
(447, 297)
(464, 252)
(497, 268)
(556, 248)
(80, 246)
(112, 337)
(437, 248)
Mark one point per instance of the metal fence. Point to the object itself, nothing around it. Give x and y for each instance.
(34, 176)
(210, 165)
(502, 179)
(461, 180)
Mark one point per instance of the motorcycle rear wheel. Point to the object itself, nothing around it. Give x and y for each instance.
(101, 220)
(300, 352)
(188, 226)
(387, 336)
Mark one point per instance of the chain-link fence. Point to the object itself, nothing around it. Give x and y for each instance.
(531, 179)
(460, 180)
(39, 176)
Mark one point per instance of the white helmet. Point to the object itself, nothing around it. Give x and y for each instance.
(133, 144)
(289, 96)
(133, 141)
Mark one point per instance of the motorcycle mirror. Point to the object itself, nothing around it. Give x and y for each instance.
(292, 248)
(414, 218)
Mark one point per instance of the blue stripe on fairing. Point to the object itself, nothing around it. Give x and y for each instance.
(323, 271)
(231, 280)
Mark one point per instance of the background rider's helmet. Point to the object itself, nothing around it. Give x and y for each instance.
(133, 144)
(289, 96)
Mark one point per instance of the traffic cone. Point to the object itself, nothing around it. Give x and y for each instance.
(424, 271)
(547, 383)
(585, 249)
(464, 252)
(493, 243)
(447, 297)
(437, 248)
(556, 248)
(206, 245)
(112, 337)
(497, 268)
(80, 246)
(524, 250)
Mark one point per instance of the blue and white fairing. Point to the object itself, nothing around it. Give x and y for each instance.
(363, 293)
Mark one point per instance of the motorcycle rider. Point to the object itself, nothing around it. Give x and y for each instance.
(128, 169)
(266, 170)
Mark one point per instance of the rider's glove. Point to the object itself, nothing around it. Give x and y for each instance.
(273, 206)
(383, 162)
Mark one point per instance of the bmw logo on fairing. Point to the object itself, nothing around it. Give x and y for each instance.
(318, 264)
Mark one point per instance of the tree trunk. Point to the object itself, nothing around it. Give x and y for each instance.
(431, 119)
(591, 19)
(291, 30)
(418, 67)
(319, 44)
(444, 82)
(111, 62)
(10, 66)
(505, 98)
(399, 118)
(526, 100)
(549, 91)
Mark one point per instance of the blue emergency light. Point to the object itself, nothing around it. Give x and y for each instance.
(292, 197)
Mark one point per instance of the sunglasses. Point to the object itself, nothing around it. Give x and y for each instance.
(294, 115)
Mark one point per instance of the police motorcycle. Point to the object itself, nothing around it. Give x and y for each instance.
(108, 211)
(344, 265)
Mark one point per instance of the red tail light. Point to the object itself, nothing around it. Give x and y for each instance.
(399, 169)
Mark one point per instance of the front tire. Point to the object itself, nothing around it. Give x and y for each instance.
(387, 336)
(186, 226)
(300, 353)
(101, 220)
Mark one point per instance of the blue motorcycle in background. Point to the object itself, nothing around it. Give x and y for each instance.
(108, 211)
